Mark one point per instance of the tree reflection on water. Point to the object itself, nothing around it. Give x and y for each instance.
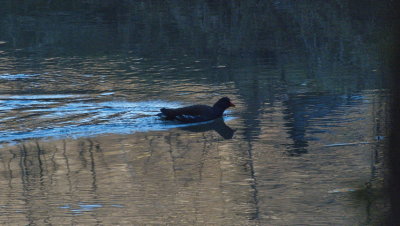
(81, 83)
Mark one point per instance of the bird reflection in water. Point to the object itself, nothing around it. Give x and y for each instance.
(218, 125)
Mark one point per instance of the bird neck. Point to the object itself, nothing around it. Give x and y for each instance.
(218, 110)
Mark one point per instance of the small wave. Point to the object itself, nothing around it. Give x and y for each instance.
(17, 76)
(38, 97)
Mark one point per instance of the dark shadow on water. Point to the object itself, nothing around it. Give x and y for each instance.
(304, 109)
(217, 125)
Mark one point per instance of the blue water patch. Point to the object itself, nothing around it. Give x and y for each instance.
(65, 118)
(17, 76)
(65, 206)
(86, 208)
(33, 102)
(38, 97)
(346, 144)
(81, 207)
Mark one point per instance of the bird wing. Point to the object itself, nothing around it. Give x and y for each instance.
(195, 113)
(191, 118)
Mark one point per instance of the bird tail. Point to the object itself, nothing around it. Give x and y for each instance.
(167, 114)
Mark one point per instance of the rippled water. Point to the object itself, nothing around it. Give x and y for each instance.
(78, 114)
(78, 151)
(65, 116)
(81, 143)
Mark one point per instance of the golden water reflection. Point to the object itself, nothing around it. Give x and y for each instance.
(183, 176)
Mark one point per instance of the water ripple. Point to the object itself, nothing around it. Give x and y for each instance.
(16, 76)
(61, 116)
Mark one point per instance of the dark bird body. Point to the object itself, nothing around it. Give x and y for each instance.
(197, 113)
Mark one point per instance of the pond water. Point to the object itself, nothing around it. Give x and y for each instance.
(81, 143)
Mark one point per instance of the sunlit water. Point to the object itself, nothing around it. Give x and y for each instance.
(81, 143)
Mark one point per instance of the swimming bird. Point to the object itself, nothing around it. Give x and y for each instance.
(197, 113)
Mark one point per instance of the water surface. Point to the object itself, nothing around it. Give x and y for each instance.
(81, 143)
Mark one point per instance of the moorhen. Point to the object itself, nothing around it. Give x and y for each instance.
(197, 113)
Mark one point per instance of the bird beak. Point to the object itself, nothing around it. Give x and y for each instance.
(231, 105)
